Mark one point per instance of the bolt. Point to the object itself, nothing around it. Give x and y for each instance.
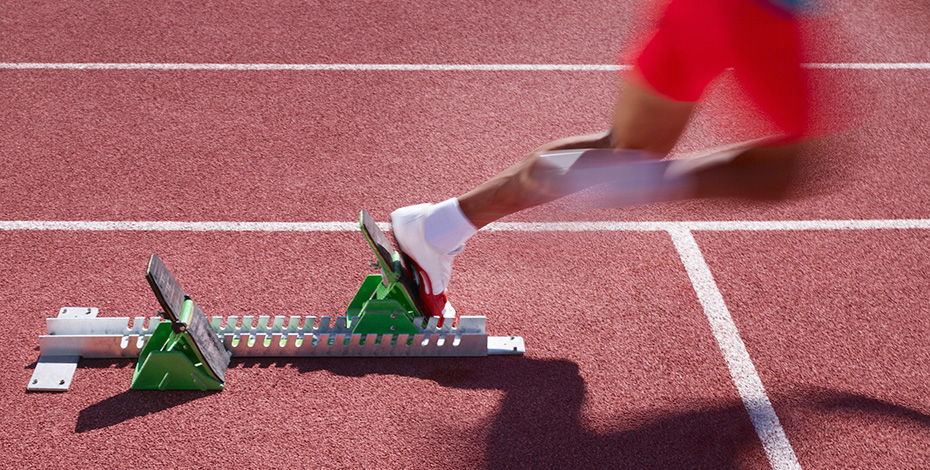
(393, 316)
(393, 328)
(62, 382)
(35, 381)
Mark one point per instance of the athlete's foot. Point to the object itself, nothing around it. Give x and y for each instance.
(434, 266)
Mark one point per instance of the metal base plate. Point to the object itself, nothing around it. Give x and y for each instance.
(53, 373)
(505, 346)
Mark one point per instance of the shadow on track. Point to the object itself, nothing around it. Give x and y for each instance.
(132, 404)
(540, 424)
(836, 401)
(129, 404)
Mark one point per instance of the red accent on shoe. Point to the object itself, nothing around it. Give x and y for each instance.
(434, 302)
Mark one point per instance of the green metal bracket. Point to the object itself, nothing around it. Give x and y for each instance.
(387, 304)
(381, 306)
(171, 360)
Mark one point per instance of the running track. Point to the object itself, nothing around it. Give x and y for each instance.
(701, 334)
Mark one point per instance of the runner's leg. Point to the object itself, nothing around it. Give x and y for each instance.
(643, 120)
(433, 234)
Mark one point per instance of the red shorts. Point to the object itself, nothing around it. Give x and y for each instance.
(696, 40)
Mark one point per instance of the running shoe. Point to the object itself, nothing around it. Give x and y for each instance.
(433, 266)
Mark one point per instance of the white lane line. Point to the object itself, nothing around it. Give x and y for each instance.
(169, 226)
(408, 67)
(711, 225)
(872, 66)
(742, 371)
(604, 226)
(325, 67)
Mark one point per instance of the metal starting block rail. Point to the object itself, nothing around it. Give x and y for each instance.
(78, 333)
(184, 350)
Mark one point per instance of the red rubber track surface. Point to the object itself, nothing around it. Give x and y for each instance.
(297, 146)
(431, 31)
(621, 370)
(837, 326)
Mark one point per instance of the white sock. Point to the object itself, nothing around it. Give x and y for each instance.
(447, 228)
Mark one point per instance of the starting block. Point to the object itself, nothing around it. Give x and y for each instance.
(184, 350)
(184, 353)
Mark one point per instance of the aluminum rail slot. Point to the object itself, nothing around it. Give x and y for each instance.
(77, 332)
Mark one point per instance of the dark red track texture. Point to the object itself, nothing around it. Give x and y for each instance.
(621, 369)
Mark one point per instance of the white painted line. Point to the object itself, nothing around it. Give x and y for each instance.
(742, 371)
(407, 67)
(716, 226)
(603, 226)
(169, 226)
(606, 226)
(324, 67)
(810, 225)
(872, 66)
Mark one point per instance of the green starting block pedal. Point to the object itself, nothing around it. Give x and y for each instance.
(387, 303)
(185, 353)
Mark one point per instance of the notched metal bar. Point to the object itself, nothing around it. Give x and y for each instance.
(76, 333)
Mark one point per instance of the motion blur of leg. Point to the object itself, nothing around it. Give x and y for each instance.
(695, 42)
(646, 127)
